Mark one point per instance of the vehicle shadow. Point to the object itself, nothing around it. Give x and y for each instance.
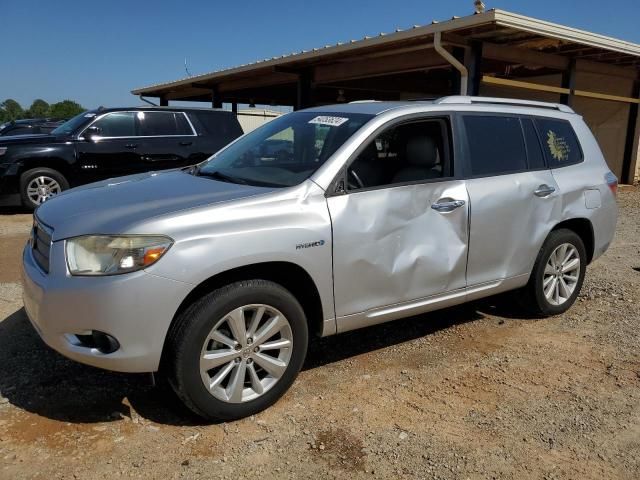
(14, 211)
(41, 381)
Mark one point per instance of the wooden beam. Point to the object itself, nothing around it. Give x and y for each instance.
(569, 82)
(526, 85)
(524, 56)
(550, 89)
(631, 139)
(256, 81)
(588, 66)
(410, 62)
(473, 62)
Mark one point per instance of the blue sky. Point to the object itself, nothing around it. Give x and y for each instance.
(96, 53)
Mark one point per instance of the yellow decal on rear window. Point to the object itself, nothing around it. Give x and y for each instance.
(558, 146)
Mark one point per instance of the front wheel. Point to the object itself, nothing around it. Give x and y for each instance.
(236, 351)
(558, 274)
(40, 184)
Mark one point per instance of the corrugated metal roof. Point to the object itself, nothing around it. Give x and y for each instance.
(496, 17)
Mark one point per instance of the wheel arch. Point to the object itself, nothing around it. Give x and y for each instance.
(287, 274)
(58, 164)
(584, 229)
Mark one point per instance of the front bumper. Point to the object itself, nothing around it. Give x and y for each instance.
(135, 308)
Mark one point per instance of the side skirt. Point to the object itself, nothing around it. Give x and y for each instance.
(428, 304)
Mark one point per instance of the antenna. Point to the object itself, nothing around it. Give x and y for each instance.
(186, 69)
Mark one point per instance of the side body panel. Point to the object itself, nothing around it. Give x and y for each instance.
(509, 224)
(391, 247)
(269, 228)
(585, 193)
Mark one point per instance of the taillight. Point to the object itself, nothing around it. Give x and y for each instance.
(612, 181)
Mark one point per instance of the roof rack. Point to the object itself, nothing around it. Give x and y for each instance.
(465, 100)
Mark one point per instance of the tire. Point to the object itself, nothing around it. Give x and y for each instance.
(52, 181)
(199, 331)
(543, 280)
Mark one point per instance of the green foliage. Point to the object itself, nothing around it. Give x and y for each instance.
(65, 109)
(11, 110)
(38, 109)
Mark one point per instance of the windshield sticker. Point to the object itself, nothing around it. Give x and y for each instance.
(558, 146)
(327, 120)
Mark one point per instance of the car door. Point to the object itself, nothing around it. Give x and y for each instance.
(111, 150)
(167, 140)
(400, 225)
(514, 198)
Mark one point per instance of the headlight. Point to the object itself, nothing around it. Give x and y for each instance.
(112, 255)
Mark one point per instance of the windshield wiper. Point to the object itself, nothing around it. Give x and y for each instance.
(222, 176)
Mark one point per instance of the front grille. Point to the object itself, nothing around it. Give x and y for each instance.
(41, 244)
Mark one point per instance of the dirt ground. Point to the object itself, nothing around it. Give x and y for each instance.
(474, 392)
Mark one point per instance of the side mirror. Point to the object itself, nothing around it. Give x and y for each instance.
(90, 133)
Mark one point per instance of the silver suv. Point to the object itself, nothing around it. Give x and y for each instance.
(215, 275)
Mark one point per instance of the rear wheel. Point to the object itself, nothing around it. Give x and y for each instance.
(237, 350)
(40, 184)
(558, 274)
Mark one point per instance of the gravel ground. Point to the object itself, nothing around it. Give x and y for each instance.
(473, 392)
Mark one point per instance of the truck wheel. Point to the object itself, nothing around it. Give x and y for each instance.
(40, 184)
(237, 350)
(557, 275)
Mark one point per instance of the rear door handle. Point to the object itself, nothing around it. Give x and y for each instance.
(186, 144)
(544, 190)
(444, 206)
(131, 145)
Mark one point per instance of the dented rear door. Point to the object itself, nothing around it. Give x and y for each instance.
(396, 244)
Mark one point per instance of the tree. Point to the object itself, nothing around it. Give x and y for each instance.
(38, 109)
(65, 109)
(11, 110)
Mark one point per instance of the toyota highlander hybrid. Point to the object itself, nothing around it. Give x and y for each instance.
(215, 275)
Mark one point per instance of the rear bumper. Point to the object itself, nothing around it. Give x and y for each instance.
(135, 308)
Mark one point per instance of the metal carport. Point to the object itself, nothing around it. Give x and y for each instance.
(499, 54)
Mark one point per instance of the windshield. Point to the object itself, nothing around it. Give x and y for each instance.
(285, 151)
(70, 126)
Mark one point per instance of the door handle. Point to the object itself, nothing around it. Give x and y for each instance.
(447, 205)
(186, 144)
(544, 190)
(131, 145)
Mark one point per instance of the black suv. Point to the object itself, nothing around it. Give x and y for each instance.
(109, 142)
(29, 126)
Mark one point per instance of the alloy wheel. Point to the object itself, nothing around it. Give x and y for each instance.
(246, 353)
(561, 274)
(42, 188)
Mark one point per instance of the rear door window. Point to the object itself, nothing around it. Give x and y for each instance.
(559, 141)
(496, 145)
(162, 124)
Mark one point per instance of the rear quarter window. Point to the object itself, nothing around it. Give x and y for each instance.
(559, 142)
(223, 126)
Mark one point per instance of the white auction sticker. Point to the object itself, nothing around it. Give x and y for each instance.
(327, 120)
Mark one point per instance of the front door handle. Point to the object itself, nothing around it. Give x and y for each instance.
(131, 145)
(544, 190)
(186, 144)
(447, 205)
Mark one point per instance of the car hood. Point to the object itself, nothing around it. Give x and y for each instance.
(33, 139)
(116, 205)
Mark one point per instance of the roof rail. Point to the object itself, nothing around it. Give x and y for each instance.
(466, 100)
